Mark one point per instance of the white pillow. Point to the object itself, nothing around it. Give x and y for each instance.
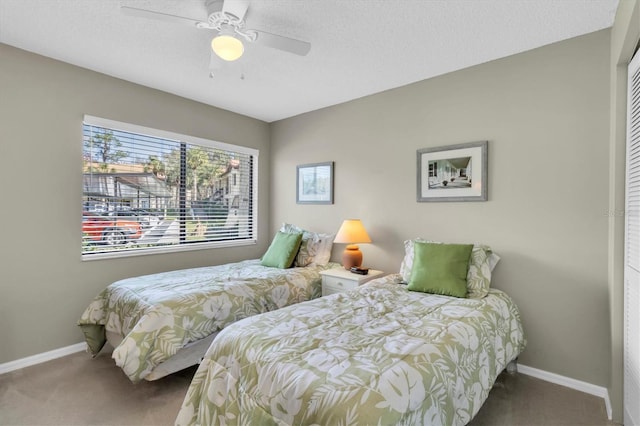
(481, 264)
(315, 248)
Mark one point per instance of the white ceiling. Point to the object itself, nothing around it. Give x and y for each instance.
(358, 47)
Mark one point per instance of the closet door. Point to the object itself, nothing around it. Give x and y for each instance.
(632, 251)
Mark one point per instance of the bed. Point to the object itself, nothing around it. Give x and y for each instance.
(380, 354)
(162, 323)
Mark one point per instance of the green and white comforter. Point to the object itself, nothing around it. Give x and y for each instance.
(161, 313)
(376, 355)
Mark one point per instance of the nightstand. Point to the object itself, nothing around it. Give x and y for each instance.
(337, 280)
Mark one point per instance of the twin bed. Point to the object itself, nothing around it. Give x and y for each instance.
(383, 353)
(161, 323)
(376, 355)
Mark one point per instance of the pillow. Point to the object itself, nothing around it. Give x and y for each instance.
(440, 268)
(282, 250)
(315, 249)
(481, 264)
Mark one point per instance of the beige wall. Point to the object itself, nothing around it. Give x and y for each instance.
(44, 286)
(545, 115)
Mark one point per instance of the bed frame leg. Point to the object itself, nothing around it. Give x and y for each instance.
(512, 367)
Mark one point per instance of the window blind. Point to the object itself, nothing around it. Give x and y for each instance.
(146, 189)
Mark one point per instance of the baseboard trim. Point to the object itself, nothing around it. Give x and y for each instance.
(568, 382)
(40, 358)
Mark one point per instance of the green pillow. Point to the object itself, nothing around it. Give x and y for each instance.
(440, 268)
(282, 251)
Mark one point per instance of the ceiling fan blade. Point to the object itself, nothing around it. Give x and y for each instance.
(297, 47)
(237, 8)
(158, 16)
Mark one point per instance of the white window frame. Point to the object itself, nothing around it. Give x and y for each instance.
(204, 245)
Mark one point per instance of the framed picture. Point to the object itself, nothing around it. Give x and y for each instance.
(314, 184)
(453, 173)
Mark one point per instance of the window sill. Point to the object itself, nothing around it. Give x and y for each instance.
(166, 249)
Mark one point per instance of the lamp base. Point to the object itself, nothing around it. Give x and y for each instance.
(352, 256)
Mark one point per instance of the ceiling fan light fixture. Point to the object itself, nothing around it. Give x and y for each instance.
(227, 47)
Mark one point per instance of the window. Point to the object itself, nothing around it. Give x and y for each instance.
(147, 190)
(433, 169)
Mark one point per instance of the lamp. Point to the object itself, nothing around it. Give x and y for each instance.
(352, 232)
(226, 45)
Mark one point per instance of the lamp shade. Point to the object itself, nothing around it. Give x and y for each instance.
(352, 232)
(227, 47)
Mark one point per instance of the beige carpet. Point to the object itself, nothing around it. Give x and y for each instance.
(79, 390)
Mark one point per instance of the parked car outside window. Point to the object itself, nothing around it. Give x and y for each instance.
(109, 230)
(146, 218)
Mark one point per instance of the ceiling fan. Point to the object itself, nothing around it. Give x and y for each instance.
(227, 19)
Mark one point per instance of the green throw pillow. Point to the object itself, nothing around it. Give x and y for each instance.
(282, 251)
(440, 268)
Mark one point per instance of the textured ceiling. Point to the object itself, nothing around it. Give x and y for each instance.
(358, 47)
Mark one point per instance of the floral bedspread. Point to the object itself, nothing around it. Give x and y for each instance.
(159, 314)
(379, 354)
